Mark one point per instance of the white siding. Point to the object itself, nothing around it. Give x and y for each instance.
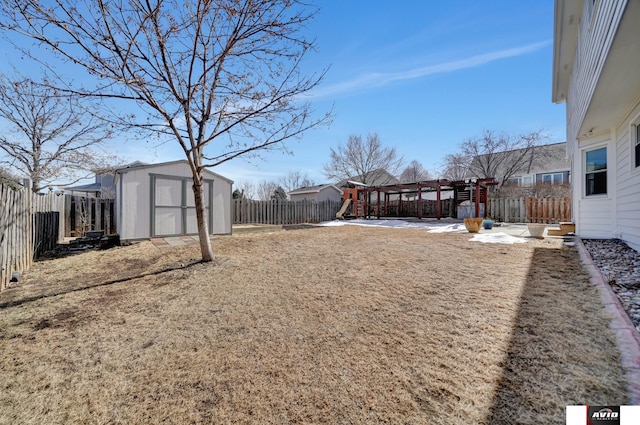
(304, 196)
(329, 194)
(326, 194)
(594, 220)
(598, 26)
(628, 186)
(594, 215)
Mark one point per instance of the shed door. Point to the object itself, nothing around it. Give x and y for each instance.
(173, 210)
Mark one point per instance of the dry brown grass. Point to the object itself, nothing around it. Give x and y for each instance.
(334, 325)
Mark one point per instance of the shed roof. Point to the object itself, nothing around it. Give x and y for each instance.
(181, 161)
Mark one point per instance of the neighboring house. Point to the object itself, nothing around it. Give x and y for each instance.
(542, 164)
(102, 187)
(595, 71)
(323, 192)
(157, 200)
(373, 178)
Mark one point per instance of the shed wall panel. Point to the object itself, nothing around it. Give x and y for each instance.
(134, 201)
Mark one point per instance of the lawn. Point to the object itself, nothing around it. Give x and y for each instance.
(343, 325)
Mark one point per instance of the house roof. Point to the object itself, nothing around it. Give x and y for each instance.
(91, 187)
(543, 158)
(131, 167)
(313, 189)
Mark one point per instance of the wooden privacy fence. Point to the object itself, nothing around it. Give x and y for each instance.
(28, 227)
(529, 209)
(32, 224)
(548, 210)
(248, 211)
(16, 251)
(82, 214)
(45, 232)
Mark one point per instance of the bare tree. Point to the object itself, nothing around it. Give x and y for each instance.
(50, 136)
(265, 189)
(7, 178)
(223, 75)
(500, 155)
(295, 180)
(414, 172)
(247, 189)
(456, 167)
(361, 158)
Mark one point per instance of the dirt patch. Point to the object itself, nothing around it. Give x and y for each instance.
(334, 325)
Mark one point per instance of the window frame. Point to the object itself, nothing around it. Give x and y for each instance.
(604, 171)
(552, 176)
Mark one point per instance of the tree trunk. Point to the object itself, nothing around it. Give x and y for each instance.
(203, 225)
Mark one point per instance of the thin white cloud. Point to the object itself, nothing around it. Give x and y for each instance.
(381, 79)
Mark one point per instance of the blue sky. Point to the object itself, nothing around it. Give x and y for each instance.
(424, 75)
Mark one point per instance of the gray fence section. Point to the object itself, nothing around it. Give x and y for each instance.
(32, 224)
(278, 212)
(15, 237)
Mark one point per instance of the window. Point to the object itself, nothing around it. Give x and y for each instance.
(596, 171)
(520, 181)
(552, 178)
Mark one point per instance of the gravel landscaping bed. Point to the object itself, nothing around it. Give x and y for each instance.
(620, 267)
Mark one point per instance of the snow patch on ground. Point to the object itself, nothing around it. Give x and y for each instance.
(496, 238)
(432, 227)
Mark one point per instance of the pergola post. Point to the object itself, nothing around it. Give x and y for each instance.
(438, 206)
(419, 202)
(477, 198)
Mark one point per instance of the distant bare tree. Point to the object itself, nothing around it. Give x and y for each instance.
(7, 178)
(223, 76)
(456, 167)
(414, 172)
(247, 189)
(265, 189)
(295, 180)
(360, 158)
(50, 136)
(500, 155)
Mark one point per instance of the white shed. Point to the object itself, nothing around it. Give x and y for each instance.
(319, 193)
(157, 201)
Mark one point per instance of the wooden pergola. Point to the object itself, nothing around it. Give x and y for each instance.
(386, 196)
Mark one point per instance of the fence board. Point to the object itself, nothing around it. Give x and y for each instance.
(45, 232)
(279, 212)
(529, 209)
(82, 214)
(16, 250)
(31, 224)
